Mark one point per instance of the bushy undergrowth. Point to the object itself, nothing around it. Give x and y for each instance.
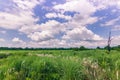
(62, 65)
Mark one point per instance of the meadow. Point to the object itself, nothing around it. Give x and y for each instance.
(59, 65)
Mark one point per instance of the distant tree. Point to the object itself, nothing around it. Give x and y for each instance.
(75, 49)
(105, 47)
(98, 47)
(116, 48)
(82, 48)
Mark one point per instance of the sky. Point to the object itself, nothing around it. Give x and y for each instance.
(59, 23)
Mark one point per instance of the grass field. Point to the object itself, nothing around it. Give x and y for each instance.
(59, 65)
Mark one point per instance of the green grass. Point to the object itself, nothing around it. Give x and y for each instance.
(59, 65)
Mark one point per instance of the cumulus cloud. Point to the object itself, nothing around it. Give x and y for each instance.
(81, 6)
(63, 43)
(12, 21)
(27, 4)
(55, 15)
(2, 40)
(17, 40)
(22, 15)
(49, 25)
(41, 36)
(81, 34)
(115, 40)
(47, 31)
(52, 33)
(104, 4)
(79, 19)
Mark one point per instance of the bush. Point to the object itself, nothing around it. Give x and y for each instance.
(3, 55)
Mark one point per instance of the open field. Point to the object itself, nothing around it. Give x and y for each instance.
(59, 65)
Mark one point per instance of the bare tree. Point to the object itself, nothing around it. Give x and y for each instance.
(109, 42)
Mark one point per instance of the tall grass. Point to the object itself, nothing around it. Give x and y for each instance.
(62, 65)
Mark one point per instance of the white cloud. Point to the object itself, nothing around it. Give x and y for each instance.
(53, 33)
(41, 36)
(46, 31)
(63, 43)
(27, 29)
(55, 15)
(12, 21)
(16, 40)
(115, 40)
(50, 25)
(114, 10)
(81, 34)
(27, 4)
(104, 4)
(57, 43)
(81, 6)
(118, 4)
(53, 43)
(3, 32)
(83, 20)
(51, 15)
(21, 15)
(116, 28)
(111, 22)
(49, 43)
(71, 29)
(2, 40)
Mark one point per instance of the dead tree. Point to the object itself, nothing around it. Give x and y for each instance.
(109, 42)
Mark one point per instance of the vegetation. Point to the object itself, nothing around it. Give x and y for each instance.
(71, 64)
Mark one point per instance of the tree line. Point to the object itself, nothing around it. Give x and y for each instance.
(73, 48)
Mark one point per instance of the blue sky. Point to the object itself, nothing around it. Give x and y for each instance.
(59, 23)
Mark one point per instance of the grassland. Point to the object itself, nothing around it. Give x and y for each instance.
(59, 65)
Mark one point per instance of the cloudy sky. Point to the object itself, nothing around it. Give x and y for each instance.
(59, 23)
